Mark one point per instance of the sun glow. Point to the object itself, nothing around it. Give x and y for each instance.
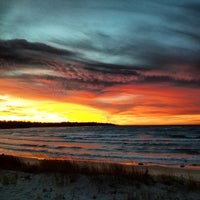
(17, 109)
(114, 108)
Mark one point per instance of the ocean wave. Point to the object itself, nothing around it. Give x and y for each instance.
(160, 144)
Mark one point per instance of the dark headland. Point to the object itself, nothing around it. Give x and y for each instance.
(27, 124)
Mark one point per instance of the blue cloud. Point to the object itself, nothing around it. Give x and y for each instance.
(115, 32)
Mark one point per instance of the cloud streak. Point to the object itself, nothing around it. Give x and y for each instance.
(32, 61)
(107, 55)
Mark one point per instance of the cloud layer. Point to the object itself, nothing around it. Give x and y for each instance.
(32, 61)
(147, 33)
(126, 57)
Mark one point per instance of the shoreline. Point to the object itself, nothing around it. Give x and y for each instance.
(128, 163)
(187, 172)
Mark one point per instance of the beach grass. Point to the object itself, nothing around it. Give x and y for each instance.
(77, 179)
(72, 167)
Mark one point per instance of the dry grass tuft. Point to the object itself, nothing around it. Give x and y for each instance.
(95, 169)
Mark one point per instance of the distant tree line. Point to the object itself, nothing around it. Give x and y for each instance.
(27, 124)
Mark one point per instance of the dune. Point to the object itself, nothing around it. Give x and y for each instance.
(23, 178)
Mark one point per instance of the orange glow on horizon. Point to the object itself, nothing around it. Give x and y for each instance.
(147, 104)
(17, 109)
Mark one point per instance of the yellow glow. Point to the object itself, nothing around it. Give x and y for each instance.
(159, 120)
(18, 109)
(12, 108)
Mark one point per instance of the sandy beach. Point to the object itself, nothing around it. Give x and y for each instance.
(147, 182)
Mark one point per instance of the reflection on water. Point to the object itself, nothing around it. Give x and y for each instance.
(174, 145)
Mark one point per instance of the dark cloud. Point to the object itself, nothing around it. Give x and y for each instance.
(193, 7)
(24, 52)
(131, 33)
(173, 81)
(36, 61)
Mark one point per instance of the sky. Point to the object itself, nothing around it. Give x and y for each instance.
(123, 62)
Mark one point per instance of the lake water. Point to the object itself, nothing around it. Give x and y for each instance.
(171, 145)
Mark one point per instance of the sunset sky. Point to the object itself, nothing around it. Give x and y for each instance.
(116, 61)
